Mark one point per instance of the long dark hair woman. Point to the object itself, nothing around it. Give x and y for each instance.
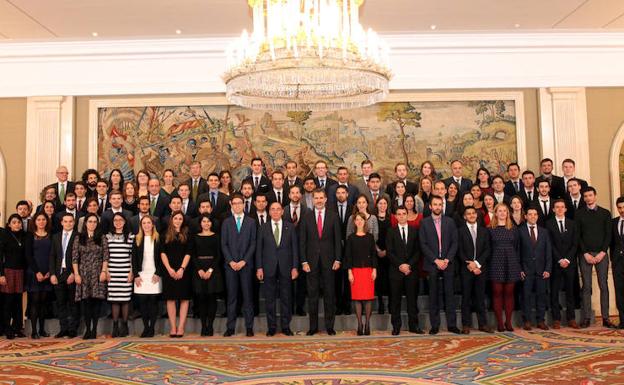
(115, 180)
(90, 265)
(38, 283)
(12, 268)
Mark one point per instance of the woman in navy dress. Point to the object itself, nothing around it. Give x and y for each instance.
(504, 266)
(38, 275)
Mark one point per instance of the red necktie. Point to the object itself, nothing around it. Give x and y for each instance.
(319, 224)
(294, 215)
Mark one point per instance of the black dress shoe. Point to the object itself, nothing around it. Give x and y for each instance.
(61, 334)
(43, 334)
(250, 333)
(228, 333)
(72, 334)
(145, 333)
(10, 335)
(621, 325)
(396, 332)
(454, 329)
(331, 332)
(585, 324)
(270, 333)
(339, 312)
(35, 336)
(346, 312)
(311, 332)
(417, 331)
(87, 335)
(20, 334)
(287, 332)
(434, 331)
(608, 324)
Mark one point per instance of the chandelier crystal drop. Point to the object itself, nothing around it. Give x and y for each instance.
(307, 55)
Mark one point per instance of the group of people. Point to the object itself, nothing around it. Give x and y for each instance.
(495, 241)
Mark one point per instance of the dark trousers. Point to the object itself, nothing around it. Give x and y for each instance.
(67, 309)
(400, 283)
(273, 285)
(473, 294)
(299, 291)
(12, 309)
(534, 288)
(562, 279)
(618, 283)
(207, 309)
(602, 271)
(325, 276)
(148, 305)
(343, 290)
(239, 279)
(442, 280)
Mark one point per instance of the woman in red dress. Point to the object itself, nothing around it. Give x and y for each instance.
(361, 262)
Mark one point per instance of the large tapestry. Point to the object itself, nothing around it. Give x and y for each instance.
(480, 133)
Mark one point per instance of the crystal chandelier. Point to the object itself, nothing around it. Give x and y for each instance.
(306, 55)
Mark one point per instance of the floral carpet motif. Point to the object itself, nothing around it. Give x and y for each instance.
(566, 356)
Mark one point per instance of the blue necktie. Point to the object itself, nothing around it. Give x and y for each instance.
(238, 224)
(214, 200)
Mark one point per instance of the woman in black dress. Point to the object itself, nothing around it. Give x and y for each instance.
(12, 265)
(38, 276)
(176, 256)
(207, 279)
(130, 197)
(382, 282)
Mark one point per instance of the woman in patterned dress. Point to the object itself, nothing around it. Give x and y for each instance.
(90, 265)
(120, 278)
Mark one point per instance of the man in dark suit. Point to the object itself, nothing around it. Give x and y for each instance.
(574, 198)
(292, 175)
(568, 167)
(101, 189)
(62, 185)
(321, 179)
(536, 260)
(159, 202)
(343, 180)
(69, 207)
(219, 202)
(80, 189)
(544, 203)
(514, 184)
(400, 171)
(557, 185)
(278, 193)
(617, 258)
(116, 200)
(374, 192)
(204, 207)
(196, 182)
(247, 191)
(474, 253)
(594, 236)
(563, 237)
(259, 182)
(143, 205)
(293, 213)
(438, 243)
(498, 190)
(320, 255)
(529, 192)
(403, 252)
(343, 287)
(457, 169)
(62, 278)
(260, 215)
(277, 260)
(448, 208)
(238, 244)
(189, 206)
(23, 209)
(175, 204)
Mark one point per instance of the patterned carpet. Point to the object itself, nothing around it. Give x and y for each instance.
(591, 356)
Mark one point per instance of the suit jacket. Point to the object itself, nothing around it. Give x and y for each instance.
(137, 259)
(202, 187)
(506, 199)
(70, 188)
(465, 185)
(511, 190)
(353, 194)
(191, 208)
(327, 248)
(564, 244)
(298, 182)
(398, 252)
(526, 202)
(449, 210)
(238, 246)
(535, 259)
(372, 205)
(466, 249)
(270, 256)
(272, 197)
(429, 242)
(222, 205)
(328, 182)
(162, 205)
(410, 188)
(56, 256)
(264, 184)
(571, 211)
(543, 217)
(557, 186)
(106, 220)
(362, 186)
(343, 223)
(58, 217)
(617, 246)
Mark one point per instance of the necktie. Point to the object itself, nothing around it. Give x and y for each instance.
(533, 236)
(473, 232)
(403, 235)
(322, 183)
(575, 204)
(319, 224)
(438, 225)
(62, 192)
(279, 197)
(256, 182)
(375, 195)
(195, 188)
(621, 227)
(79, 204)
(295, 218)
(247, 207)
(530, 194)
(276, 234)
(457, 180)
(544, 203)
(517, 186)
(213, 202)
(101, 204)
(65, 239)
(261, 219)
(561, 227)
(342, 212)
(238, 224)
(152, 206)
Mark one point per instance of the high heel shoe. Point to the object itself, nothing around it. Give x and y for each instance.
(367, 330)
(359, 330)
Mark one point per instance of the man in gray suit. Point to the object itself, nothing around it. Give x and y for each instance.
(374, 191)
